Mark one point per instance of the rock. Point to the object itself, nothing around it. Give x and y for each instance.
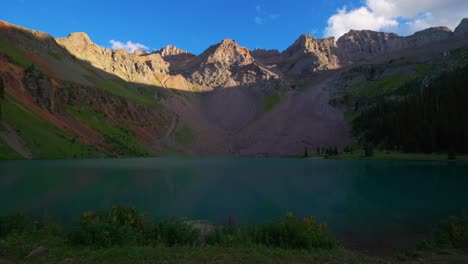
(309, 54)
(36, 251)
(427, 36)
(138, 67)
(226, 63)
(462, 29)
(357, 44)
(68, 261)
(267, 57)
(171, 50)
(360, 44)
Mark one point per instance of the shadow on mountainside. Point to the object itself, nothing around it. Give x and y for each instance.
(93, 104)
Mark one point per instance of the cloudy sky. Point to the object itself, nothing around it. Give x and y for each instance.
(194, 25)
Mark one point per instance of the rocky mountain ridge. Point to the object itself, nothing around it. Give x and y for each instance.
(227, 64)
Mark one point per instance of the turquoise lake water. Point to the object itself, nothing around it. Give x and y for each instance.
(362, 201)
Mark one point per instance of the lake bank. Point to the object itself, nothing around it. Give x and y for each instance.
(123, 235)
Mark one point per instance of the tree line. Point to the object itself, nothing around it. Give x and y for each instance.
(420, 118)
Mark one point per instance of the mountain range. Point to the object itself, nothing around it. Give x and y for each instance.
(70, 98)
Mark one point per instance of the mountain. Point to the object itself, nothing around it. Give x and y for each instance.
(68, 97)
(227, 64)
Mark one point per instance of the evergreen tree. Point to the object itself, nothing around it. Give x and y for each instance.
(306, 153)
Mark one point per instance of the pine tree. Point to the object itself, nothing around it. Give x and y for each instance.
(306, 153)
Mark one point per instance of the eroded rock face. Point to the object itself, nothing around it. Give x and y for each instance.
(267, 57)
(138, 67)
(225, 65)
(363, 43)
(429, 35)
(360, 44)
(462, 29)
(177, 58)
(309, 54)
(171, 50)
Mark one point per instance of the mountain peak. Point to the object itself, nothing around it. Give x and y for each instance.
(79, 37)
(462, 28)
(171, 50)
(229, 42)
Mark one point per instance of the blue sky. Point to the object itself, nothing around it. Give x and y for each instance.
(195, 25)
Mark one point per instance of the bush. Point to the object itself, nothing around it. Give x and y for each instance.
(18, 224)
(289, 233)
(127, 226)
(293, 233)
(452, 233)
(119, 226)
(175, 233)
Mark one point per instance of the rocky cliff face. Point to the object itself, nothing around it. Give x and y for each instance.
(267, 57)
(360, 44)
(177, 58)
(462, 29)
(309, 54)
(225, 65)
(137, 67)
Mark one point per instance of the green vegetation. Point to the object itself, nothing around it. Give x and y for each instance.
(15, 54)
(271, 101)
(125, 235)
(359, 154)
(420, 118)
(44, 139)
(144, 95)
(6, 152)
(289, 233)
(55, 55)
(185, 136)
(379, 88)
(122, 140)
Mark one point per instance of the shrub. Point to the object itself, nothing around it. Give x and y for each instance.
(119, 226)
(452, 233)
(289, 233)
(293, 233)
(127, 226)
(175, 233)
(18, 224)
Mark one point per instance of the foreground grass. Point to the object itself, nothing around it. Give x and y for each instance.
(57, 253)
(210, 254)
(123, 235)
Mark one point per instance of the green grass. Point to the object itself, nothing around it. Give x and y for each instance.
(19, 235)
(164, 254)
(380, 87)
(122, 141)
(185, 136)
(121, 88)
(45, 140)
(55, 55)
(18, 56)
(392, 155)
(6, 152)
(271, 101)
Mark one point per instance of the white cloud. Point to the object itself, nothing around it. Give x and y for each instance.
(129, 46)
(263, 16)
(401, 16)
